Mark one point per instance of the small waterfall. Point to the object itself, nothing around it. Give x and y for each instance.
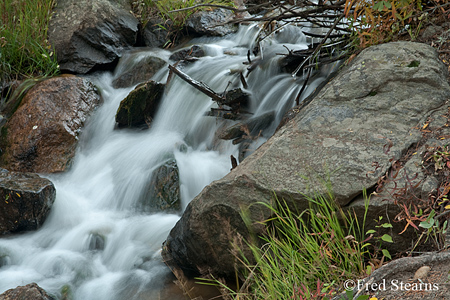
(96, 242)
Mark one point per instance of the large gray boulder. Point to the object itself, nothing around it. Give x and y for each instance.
(349, 135)
(87, 34)
(26, 201)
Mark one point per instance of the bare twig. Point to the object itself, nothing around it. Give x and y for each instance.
(197, 84)
(320, 45)
(235, 10)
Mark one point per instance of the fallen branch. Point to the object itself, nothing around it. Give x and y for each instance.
(235, 98)
(235, 10)
(294, 14)
(197, 84)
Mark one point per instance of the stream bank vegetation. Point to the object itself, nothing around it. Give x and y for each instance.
(308, 254)
(25, 50)
(171, 14)
(312, 254)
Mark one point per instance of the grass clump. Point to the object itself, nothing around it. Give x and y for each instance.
(25, 50)
(304, 256)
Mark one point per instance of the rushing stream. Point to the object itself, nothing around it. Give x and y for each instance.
(96, 243)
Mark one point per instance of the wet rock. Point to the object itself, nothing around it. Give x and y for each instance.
(164, 188)
(42, 134)
(373, 105)
(140, 106)
(87, 34)
(4, 260)
(28, 292)
(141, 72)
(26, 201)
(154, 35)
(212, 23)
(96, 241)
(188, 54)
(252, 126)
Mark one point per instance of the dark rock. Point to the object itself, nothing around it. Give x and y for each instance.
(202, 241)
(154, 35)
(26, 201)
(188, 54)
(43, 133)
(364, 115)
(253, 126)
(236, 99)
(140, 106)
(4, 260)
(164, 188)
(212, 23)
(141, 72)
(28, 292)
(87, 34)
(96, 241)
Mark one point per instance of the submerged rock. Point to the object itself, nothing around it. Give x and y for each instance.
(28, 292)
(91, 33)
(188, 54)
(364, 117)
(41, 136)
(252, 126)
(140, 106)
(164, 188)
(26, 201)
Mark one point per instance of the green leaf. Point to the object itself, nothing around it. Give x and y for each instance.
(387, 238)
(370, 231)
(386, 253)
(432, 214)
(366, 245)
(426, 224)
(386, 225)
(378, 6)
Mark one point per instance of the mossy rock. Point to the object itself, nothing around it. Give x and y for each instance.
(139, 107)
(164, 188)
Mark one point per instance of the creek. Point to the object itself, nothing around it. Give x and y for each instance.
(97, 243)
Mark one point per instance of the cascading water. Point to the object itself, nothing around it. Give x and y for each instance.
(96, 242)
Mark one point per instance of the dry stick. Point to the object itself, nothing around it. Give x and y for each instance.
(235, 10)
(301, 14)
(197, 84)
(297, 99)
(429, 9)
(320, 45)
(242, 78)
